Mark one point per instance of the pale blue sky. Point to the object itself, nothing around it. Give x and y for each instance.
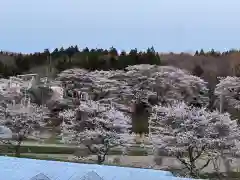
(168, 25)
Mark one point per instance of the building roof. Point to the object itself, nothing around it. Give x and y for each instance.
(31, 169)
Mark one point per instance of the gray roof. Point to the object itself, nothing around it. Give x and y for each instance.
(31, 169)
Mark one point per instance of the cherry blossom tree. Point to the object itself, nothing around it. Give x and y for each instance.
(135, 89)
(104, 86)
(164, 85)
(167, 84)
(10, 89)
(151, 84)
(23, 119)
(15, 88)
(190, 134)
(99, 127)
(228, 90)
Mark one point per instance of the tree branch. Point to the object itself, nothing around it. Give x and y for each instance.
(205, 165)
(91, 150)
(199, 153)
(178, 156)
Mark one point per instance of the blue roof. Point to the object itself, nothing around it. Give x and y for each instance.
(25, 169)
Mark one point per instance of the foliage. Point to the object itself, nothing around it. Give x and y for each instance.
(191, 133)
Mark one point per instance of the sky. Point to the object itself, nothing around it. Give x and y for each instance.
(167, 25)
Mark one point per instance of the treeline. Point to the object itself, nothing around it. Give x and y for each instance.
(214, 53)
(92, 59)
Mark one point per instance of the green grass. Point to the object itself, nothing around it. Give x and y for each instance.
(137, 153)
(39, 149)
(63, 150)
(36, 156)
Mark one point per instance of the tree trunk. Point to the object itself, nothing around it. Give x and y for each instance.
(101, 159)
(226, 163)
(17, 150)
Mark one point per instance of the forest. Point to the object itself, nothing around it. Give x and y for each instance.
(59, 59)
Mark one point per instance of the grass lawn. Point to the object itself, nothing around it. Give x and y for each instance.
(45, 149)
